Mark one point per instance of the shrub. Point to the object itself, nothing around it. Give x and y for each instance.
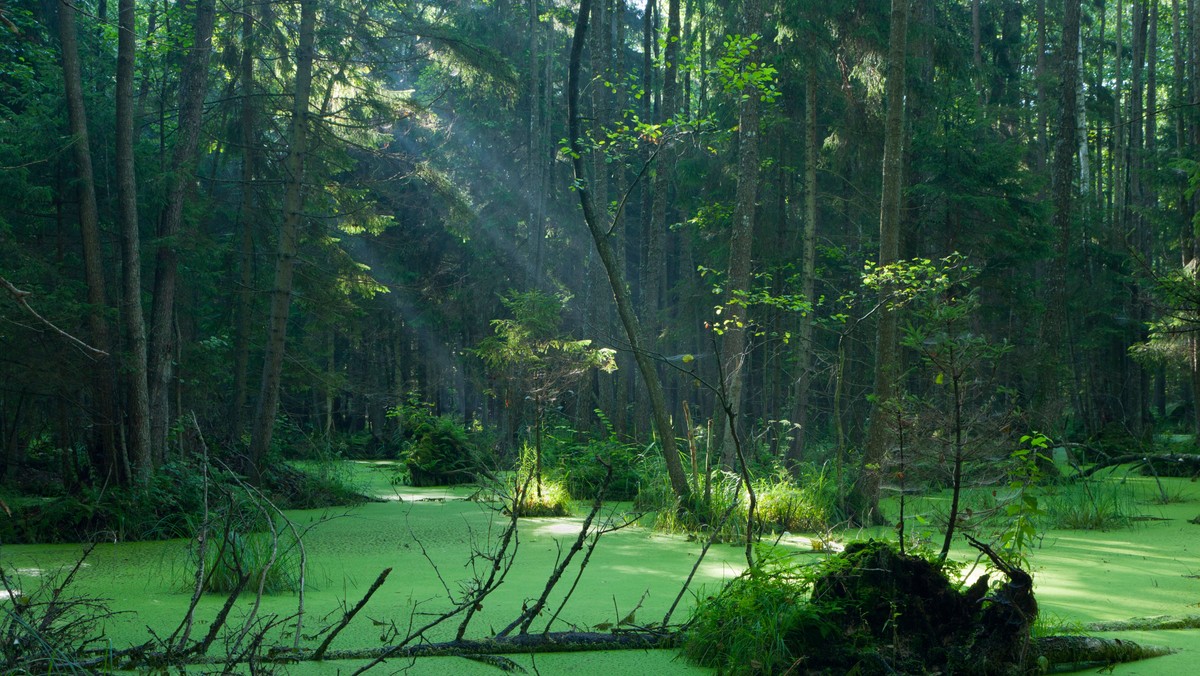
(440, 453)
(552, 499)
(318, 484)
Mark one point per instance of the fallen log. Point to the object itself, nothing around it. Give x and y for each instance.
(520, 644)
(1157, 623)
(1054, 653)
(1163, 464)
(1075, 653)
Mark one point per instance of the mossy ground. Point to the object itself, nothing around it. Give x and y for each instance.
(1080, 576)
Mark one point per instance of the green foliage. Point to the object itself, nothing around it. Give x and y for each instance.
(1022, 510)
(317, 484)
(759, 623)
(737, 71)
(166, 508)
(583, 475)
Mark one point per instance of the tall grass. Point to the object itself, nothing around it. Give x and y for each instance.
(804, 502)
(233, 555)
(1091, 505)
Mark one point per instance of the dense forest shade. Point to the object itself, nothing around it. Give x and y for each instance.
(285, 219)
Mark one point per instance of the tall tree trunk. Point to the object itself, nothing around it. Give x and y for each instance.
(733, 341)
(248, 126)
(1043, 101)
(655, 264)
(138, 408)
(807, 269)
(104, 448)
(288, 247)
(192, 85)
(865, 497)
(1063, 194)
(601, 238)
(646, 273)
(537, 173)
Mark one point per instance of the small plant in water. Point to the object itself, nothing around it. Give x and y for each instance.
(236, 560)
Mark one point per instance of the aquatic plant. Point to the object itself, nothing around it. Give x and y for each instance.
(239, 562)
(1091, 505)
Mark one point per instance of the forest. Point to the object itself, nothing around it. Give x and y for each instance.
(922, 271)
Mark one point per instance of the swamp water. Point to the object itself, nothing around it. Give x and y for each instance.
(1149, 568)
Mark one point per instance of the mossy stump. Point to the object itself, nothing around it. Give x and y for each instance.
(899, 613)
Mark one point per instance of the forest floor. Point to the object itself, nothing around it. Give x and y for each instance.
(1147, 568)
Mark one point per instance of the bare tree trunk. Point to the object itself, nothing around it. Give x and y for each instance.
(620, 291)
(104, 420)
(138, 409)
(807, 268)
(192, 85)
(288, 247)
(733, 341)
(865, 496)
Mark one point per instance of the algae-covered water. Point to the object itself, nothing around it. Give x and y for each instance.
(427, 535)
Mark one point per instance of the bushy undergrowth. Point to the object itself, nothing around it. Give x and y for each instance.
(755, 624)
(550, 499)
(803, 504)
(318, 484)
(583, 474)
(164, 509)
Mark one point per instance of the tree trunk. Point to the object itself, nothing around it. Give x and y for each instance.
(104, 420)
(620, 291)
(865, 496)
(245, 293)
(655, 264)
(138, 410)
(735, 315)
(192, 85)
(1063, 195)
(288, 247)
(807, 269)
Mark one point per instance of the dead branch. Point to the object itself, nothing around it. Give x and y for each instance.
(20, 297)
(349, 615)
(529, 612)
